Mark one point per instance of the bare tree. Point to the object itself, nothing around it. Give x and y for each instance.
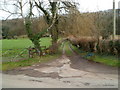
(51, 15)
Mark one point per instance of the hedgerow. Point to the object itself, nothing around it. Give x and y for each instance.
(103, 46)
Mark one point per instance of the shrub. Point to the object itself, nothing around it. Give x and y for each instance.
(92, 46)
(85, 44)
(109, 47)
(102, 47)
(117, 46)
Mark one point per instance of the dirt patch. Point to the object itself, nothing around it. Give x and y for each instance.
(32, 73)
(31, 70)
(65, 67)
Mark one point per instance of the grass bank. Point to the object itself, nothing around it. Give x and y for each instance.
(109, 60)
(68, 52)
(29, 62)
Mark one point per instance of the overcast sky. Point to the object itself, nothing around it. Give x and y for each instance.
(85, 6)
(94, 5)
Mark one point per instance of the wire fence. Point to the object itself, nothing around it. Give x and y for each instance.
(14, 54)
(9, 55)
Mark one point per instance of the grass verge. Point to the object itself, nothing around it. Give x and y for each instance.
(109, 60)
(68, 52)
(29, 62)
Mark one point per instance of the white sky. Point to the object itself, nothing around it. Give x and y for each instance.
(85, 6)
(95, 5)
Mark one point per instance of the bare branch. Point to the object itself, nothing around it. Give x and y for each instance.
(9, 16)
(43, 10)
(9, 11)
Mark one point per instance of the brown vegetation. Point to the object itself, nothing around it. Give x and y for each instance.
(91, 45)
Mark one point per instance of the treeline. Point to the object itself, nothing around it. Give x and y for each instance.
(71, 24)
(92, 32)
(90, 24)
(12, 28)
(15, 27)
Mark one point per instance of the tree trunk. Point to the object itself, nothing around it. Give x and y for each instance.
(32, 37)
(37, 47)
(54, 33)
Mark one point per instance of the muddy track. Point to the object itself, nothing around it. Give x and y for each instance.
(77, 62)
(73, 71)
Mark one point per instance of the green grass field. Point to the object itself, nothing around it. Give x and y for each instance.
(22, 43)
(15, 46)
